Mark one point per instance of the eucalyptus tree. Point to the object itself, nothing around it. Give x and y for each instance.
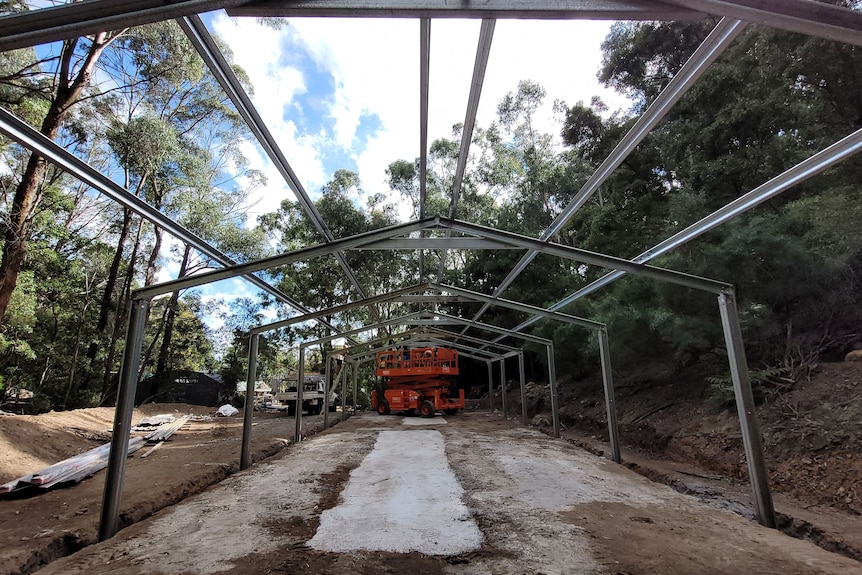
(179, 142)
(773, 99)
(70, 73)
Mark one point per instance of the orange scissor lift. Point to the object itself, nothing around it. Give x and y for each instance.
(420, 379)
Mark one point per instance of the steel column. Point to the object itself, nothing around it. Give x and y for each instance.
(503, 387)
(248, 408)
(300, 384)
(552, 375)
(746, 410)
(344, 367)
(610, 398)
(355, 367)
(490, 387)
(522, 373)
(110, 520)
(327, 386)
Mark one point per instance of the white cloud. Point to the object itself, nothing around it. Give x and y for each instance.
(276, 85)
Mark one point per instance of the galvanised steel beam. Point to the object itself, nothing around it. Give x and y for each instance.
(424, 81)
(422, 332)
(300, 388)
(390, 340)
(441, 243)
(494, 328)
(563, 317)
(587, 257)
(500, 9)
(523, 376)
(490, 386)
(610, 396)
(746, 409)
(76, 19)
(415, 339)
(301, 254)
(555, 404)
(804, 16)
(445, 333)
(483, 51)
(503, 388)
(358, 330)
(38, 143)
(712, 47)
(808, 168)
(432, 298)
(248, 412)
(203, 42)
(335, 309)
(109, 522)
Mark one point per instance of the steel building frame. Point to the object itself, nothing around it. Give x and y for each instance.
(79, 18)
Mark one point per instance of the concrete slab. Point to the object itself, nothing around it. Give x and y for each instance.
(403, 497)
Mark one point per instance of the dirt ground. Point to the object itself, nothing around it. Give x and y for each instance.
(36, 529)
(543, 506)
(811, 433)
(671, 433)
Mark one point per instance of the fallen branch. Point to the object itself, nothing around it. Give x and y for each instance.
(651, 412)
(702, 476)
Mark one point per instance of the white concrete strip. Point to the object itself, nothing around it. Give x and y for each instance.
(403, 497)
(423, 421)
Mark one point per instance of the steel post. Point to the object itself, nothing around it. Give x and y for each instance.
(522, 373)
(610, 398)
(490, 387)
(110, 519)
(343, 372)
(300, 384)
(328, 387)
(503, 387)
(248, 410)
(746, 410)
(552, 375)
(355, 371)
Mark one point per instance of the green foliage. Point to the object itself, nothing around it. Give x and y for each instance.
(765, 384)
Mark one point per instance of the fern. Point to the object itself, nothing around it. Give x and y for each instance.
(765, 384)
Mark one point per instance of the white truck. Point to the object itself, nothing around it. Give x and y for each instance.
(313, 394)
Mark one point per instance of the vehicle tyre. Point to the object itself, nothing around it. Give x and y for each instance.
(314, 410)
(426, 409)
(291, 410)
(383, 407)
(452, 411)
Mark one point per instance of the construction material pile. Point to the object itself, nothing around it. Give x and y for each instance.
(165, 430)
(75, 469)
(71, 470)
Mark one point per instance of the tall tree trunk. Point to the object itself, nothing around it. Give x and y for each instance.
(109, 382)
(28, 192)
(114, 271)
(173, 306)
